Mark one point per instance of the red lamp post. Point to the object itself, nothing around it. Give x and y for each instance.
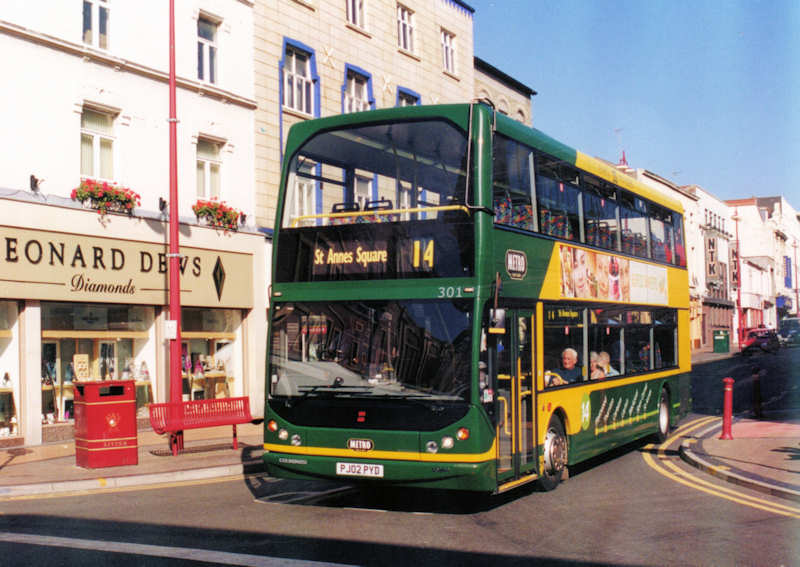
(176, 380)
(796, 283)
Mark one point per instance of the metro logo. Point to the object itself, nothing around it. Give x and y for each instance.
(360, 444)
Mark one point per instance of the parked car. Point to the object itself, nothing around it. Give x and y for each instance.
(760, 339)
(789, 331)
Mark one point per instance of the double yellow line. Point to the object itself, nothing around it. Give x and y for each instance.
(670, 470)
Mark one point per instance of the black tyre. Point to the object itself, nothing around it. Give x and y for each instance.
(662, 426)
(555, 455)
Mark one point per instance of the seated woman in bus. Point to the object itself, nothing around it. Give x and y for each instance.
(604, 360)
(568, 372)
(596, 372)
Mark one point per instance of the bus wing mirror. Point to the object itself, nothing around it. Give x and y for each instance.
(497, 321)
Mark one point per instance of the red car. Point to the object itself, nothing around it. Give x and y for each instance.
(760, 340)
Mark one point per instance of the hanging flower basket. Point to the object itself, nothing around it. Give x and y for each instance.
(216, 213)
(106, 197)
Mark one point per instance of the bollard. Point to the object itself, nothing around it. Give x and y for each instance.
(727, 409)
(755, 372)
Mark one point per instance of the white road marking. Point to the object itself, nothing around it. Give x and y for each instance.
(184, 553)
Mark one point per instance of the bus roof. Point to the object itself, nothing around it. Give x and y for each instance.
(542, 141)
(458, 114)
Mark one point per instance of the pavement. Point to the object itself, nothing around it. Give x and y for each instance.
(31, 471)
(764, 455)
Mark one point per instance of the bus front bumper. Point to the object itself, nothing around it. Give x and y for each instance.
(478, 476)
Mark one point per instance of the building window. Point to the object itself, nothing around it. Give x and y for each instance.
(355, 13)
(405, 28)
(85, 341)
(95, 23)
(207, 49)
(209, 165)
(304, 201)
(97, 144)
(363, 191)
(298, 85)
(406, 97)
(356, 95)
(448, 51)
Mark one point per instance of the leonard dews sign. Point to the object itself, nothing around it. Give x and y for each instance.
(55, 266)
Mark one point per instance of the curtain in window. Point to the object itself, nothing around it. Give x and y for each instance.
(87, 155)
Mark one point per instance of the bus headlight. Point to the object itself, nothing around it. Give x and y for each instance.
(283, 435)
(448, 442)
(296, 441)
(431, 447)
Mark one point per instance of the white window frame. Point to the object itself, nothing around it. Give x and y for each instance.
(405, 29)
(205, 189)
(98, 137)
(298, 88)
(356, 13)
(305, 193)
(208, 52)
(362, 190)
(96, 9)
(448, 51)
(352, 101)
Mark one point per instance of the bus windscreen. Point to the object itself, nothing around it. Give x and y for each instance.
(378, 201)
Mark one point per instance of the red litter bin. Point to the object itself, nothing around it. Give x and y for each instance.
(105, 424)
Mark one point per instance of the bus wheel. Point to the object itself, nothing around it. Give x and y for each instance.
(555, 455)
(663, 417)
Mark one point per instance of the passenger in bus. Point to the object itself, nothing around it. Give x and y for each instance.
(596, 372)
(604, 360)
(568, 372)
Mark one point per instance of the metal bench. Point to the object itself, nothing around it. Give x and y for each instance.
(174, 417)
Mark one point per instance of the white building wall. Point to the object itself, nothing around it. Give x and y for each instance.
(55, 75)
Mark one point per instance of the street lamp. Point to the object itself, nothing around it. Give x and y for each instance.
(735, 218)
(796, 287)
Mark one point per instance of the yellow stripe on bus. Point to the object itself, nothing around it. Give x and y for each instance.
(489, 455)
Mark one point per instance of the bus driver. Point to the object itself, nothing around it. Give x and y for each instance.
(569, 371)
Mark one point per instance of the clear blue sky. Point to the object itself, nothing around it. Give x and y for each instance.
(702, 92)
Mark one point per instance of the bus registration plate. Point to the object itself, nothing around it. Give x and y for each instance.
(359, 469)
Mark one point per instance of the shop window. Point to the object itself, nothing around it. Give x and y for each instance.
(208, 352)
(92, 342)
(9, 371)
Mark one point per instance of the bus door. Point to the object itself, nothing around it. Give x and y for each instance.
(515, 396)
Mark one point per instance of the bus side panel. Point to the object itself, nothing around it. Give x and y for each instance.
(603, 415)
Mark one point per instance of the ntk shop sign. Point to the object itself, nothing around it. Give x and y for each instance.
(52, 266)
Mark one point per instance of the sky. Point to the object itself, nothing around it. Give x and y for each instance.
(702, 92)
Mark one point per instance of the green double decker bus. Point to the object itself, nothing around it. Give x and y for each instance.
(459, 301)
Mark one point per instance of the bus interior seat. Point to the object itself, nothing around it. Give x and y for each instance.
(379, 205)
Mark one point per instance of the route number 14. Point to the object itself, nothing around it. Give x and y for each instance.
(423, 254)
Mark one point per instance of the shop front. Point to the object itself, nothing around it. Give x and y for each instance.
(94, 306)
